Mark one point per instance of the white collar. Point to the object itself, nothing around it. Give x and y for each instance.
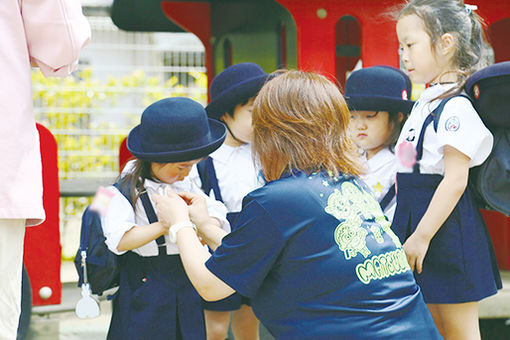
(224, 152)
(435, 91)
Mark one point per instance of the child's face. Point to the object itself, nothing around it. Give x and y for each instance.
(370, 130)
(172, 172)
(240, 122)
(417, 51)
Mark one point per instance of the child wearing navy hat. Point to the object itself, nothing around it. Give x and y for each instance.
(155, 299)
(378, 98)
(230, 173)
(437, 217)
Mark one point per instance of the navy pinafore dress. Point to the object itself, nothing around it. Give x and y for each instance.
(210, 181)
(155, 299)
(460, 264)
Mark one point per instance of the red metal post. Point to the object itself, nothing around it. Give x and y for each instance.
(42, 257)
(194, 17)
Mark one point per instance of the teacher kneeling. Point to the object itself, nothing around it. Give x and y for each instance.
(311, 248)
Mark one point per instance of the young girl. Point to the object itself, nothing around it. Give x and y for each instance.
(228, 174)
(378, 99)
(155, 299)
(446, 240)
(311, 248)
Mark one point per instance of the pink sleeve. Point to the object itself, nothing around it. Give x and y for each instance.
(56, 30)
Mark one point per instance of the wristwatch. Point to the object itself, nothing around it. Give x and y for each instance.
(174, 228)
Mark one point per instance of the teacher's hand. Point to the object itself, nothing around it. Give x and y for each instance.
(197, 207)
(171, 208)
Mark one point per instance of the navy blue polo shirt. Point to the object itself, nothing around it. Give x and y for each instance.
(318, 259)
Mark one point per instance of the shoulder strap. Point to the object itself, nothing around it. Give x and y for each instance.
(151, 215)
(208, 178)
(204, 178)
(124, 188)
(147, 206)
(432, 117)
(388, 197)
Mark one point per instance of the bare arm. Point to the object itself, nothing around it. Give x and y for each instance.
(443, 202)
(141, 235)
(194, 256)
(173, 209)
(211, 234)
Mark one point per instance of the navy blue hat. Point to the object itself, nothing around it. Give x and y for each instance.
(175, 130)
(234, 85)
(379, 88)
(489, 88)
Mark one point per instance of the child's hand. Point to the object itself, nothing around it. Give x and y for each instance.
(416, 248)
(197, 207)
(171, 209)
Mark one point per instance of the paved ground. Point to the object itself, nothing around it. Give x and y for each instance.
(60, 322)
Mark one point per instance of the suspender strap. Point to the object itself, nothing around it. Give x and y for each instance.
(388, 197)
(208, 178)
(151, 214)
(419, 145)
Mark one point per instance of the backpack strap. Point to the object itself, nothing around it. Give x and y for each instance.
(208, 178)
(439, 109)
(388, 197)
(90, 219)
(434, 116)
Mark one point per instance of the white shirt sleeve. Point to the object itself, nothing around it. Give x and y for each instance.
(118, 219)
(460, 127)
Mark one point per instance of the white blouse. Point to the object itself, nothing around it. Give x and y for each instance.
(459, 126)
(236, 172)
(382, 169)
(120, 217)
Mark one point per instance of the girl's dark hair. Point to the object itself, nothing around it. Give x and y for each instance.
(452, 16)
(396, 127)
(135, 179)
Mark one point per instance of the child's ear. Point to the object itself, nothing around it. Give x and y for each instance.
(224, 116)
(447, 43)
(400, 117)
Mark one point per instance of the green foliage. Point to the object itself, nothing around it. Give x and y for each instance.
(90, 117)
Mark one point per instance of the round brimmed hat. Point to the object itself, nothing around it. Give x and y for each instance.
(234, 85)
(175, 130)
(379, 88)
(489, 88)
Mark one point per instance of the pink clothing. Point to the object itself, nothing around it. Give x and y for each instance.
(50, 34)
